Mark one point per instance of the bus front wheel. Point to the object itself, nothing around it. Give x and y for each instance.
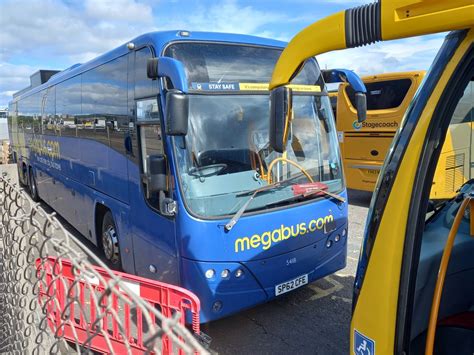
(110, 242)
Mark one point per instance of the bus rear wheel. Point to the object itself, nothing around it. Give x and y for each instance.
(110, 242)
(32, 185)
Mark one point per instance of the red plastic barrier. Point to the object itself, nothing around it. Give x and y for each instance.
(98, 326)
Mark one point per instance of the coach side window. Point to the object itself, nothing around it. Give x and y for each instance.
(68, 107)
(47, 111)
(144, 86)
(104, 104)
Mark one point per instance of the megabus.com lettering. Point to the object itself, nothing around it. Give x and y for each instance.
(267, 239)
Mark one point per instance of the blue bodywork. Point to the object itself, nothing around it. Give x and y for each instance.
(346, 75)
(88, 174)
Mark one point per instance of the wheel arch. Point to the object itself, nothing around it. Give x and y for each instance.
(99, 213)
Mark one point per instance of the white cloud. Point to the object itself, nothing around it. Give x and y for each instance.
(118, 10)
(226, 16)
(51, 31)
(402, 55)
(61, 33)
(14, 77)
(51, 28)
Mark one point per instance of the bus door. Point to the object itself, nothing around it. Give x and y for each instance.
(407, 234)
(453, 325)
(365, 145)
(153, 233)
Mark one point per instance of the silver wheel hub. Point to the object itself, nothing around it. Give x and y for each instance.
(33, 186)
(110, 244)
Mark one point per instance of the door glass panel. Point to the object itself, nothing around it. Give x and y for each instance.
(455, 163)
(151, 140)
(452, 172)
(150, 130)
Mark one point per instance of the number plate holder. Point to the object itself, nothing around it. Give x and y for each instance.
(291, 285)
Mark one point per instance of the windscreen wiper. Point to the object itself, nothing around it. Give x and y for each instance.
(253, 194)
(310, 193)
(282, 183)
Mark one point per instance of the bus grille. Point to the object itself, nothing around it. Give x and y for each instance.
(454, 172)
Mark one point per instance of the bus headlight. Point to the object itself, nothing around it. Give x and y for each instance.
(210, 274)
(225, 273)
(337, 238)
(239, 273)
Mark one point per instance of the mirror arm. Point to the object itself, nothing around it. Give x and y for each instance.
(351, 78)
(166, 67)
(344, 75)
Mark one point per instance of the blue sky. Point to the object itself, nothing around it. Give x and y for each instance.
(54, 34)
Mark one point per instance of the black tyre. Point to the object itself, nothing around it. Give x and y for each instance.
(22, 176)
(32, 186)
(110, 242)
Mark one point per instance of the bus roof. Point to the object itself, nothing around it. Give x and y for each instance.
(159, 40)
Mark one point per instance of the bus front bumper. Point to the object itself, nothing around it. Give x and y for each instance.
(225, 288)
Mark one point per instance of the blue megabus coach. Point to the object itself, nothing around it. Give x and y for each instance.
(158, 152)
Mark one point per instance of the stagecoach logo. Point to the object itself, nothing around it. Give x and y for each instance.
(358, 125)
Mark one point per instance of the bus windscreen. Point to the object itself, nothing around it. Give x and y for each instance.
(224, 63)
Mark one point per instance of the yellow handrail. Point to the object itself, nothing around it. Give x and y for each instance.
(430, 338)
(269, 177)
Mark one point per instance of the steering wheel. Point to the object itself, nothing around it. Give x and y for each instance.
(206, 171)
(269, 176)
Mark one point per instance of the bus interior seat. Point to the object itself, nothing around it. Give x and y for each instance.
(237, 160)
(458, 291)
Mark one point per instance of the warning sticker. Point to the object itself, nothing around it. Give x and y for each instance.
(363, 345)
(236, 86)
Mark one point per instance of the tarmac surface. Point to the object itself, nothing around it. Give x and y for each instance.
(314, 319)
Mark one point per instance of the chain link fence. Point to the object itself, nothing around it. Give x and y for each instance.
(56, 296)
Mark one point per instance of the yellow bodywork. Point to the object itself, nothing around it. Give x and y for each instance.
(454, 164)
(399, 19)
(376, 309)
(408, 18)
(365, 146)
(359, 145)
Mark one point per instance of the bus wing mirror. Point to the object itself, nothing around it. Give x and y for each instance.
(156, 174)
(281, 100)
(165, 67)
(361, 106)
(176, 115)
(348, 76)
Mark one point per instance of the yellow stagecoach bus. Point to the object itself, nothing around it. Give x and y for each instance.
(364, 145)
(414, 287)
